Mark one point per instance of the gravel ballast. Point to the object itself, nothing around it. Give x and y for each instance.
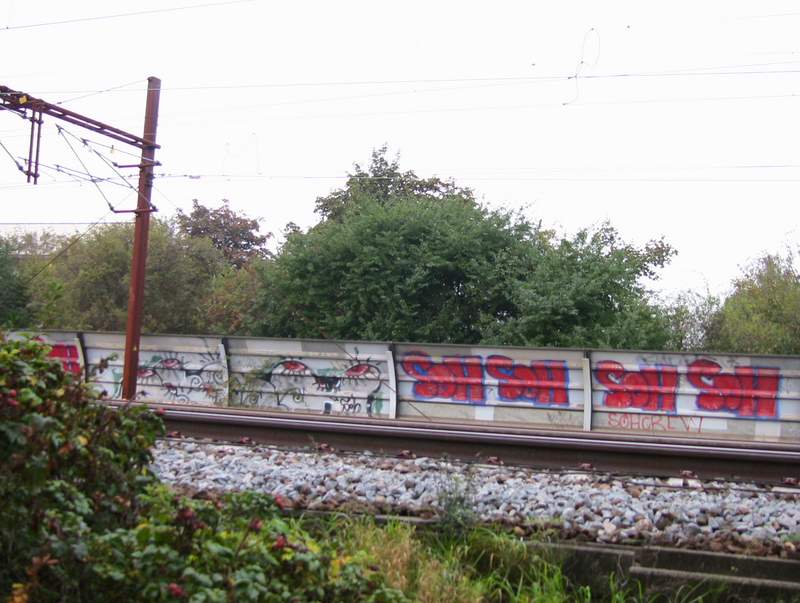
(716, 515)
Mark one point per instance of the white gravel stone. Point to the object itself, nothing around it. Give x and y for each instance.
(605, 508)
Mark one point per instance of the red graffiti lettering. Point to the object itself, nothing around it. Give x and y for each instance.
(457, 378)
(649, 388)
(748, 391)
(542, 382)
(68, 355)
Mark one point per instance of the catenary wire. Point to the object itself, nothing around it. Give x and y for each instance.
(97, 185)
(17, 163)
(68, 246)
(717, 70)
(482, 178)
(121, 15)
(79, 176)
(59, 223)
(96, 92)
(526, 106)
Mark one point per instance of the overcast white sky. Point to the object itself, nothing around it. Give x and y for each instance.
(683, 121)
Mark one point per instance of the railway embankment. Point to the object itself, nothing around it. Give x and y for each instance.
(710, 515)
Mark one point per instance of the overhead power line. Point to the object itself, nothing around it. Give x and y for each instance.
(17, 163)
(94, 181)
(503, 178)
(121, 15)
(61, 223)
(96, 92)
(67, 247)
(703, 71)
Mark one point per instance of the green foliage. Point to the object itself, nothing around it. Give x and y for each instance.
(228, 307)
(479, 564)
(179, 273)
(383, 183)
(68, 467)
(83, 520)
(233, 234)
(413, 270)
(691, 317)
(406, 259)
(760, 316)
(236, 548)
(396, 257)
(14, 296)
(585, 292)
(443, 270)
(455, 499)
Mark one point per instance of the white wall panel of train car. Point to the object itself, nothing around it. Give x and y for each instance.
(504, 385)
(741, 397)
(172, 368)
(325, 377)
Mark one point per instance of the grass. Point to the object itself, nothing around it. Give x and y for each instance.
(479, 565)
(462, 561)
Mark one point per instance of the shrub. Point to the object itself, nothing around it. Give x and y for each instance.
(234, 548)
(83, 519)
(68, 466)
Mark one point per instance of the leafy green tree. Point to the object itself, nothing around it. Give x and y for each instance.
(761, 314)
(586, 291)
(14, 296)
(234, 234)
(87, 285)
(33, 251)
(383, 182)
(416, 269)
(228, 308)
(419, 269)
(690, 316)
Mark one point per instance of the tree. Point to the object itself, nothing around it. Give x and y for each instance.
(690, 316)
(415, 269)
(586, 291)
(86, 286)
(420, 269)
(761, 314)
(235, 235)
(233, 294)
(383, 182)
(14, 296)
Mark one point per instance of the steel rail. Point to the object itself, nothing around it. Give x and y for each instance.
(765, 462)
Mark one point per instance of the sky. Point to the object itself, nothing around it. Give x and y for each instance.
(676, 120)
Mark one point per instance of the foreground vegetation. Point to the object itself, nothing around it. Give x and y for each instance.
(395, 257)
(84, 520)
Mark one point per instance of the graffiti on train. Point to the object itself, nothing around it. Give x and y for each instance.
(350, 387)
(745, 391)
(496, 378)
(68, 355)
(748, 391)
(649, 388)
(177, 377)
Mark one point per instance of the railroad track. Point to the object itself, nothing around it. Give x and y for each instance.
(545, 449)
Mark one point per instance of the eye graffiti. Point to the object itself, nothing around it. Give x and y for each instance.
(329, 387)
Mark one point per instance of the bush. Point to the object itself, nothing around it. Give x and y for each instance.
(83, 519)
(68, 467)
(235, 548)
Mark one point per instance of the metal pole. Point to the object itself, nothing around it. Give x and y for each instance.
(140, 236)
